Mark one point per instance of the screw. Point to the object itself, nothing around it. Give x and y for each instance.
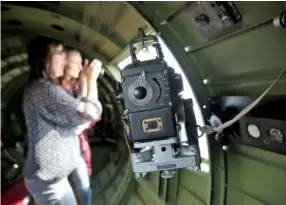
(225, 148)
(165, 72)
(170, 103)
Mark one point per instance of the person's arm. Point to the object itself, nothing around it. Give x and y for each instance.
(94, 122)
(86, 126)
(92, 71)
(83, 86)
(57, 106)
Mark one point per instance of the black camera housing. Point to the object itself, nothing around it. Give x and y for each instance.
(149, 91)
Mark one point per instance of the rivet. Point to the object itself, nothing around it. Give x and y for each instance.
(188, 48)
(205, 81)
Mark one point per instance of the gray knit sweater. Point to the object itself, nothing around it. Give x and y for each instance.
(52, 118)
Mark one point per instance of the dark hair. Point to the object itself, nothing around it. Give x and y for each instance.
(69, 49)
(38, 50)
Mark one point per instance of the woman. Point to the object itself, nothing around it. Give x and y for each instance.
(75, 82)
(52, 117)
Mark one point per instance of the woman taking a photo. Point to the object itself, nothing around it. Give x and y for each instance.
(75, 82)
(52, 118)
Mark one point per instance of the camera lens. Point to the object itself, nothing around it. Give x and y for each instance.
(140, 92)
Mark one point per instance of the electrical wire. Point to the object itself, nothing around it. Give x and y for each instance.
(126, 133)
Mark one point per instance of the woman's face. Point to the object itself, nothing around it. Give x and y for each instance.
(55, 69)
(74, 64)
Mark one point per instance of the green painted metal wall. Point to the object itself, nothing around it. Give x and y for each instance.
(241, 63)
(252, 177)
(255, 177)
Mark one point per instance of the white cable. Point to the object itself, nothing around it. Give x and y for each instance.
(220, 128)
(126, 134)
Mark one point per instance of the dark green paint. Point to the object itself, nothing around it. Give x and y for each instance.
(243, 62)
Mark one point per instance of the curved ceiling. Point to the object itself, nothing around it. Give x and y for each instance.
(103, 36)
(85, 25)
(240, 63)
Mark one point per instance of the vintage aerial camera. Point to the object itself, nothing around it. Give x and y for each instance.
(155, 116)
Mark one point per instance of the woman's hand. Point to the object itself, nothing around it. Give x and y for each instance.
(93, 71)
(85, 68)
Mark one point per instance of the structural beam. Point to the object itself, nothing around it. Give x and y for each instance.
(89, 51)
(104, 30)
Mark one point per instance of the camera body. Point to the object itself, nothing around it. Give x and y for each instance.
(149, 90)
(154, 115)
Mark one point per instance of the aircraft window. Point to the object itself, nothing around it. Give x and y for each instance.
(5, 8)
(14, 22)
(57, 27)
(187, 92)
(124, 63)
